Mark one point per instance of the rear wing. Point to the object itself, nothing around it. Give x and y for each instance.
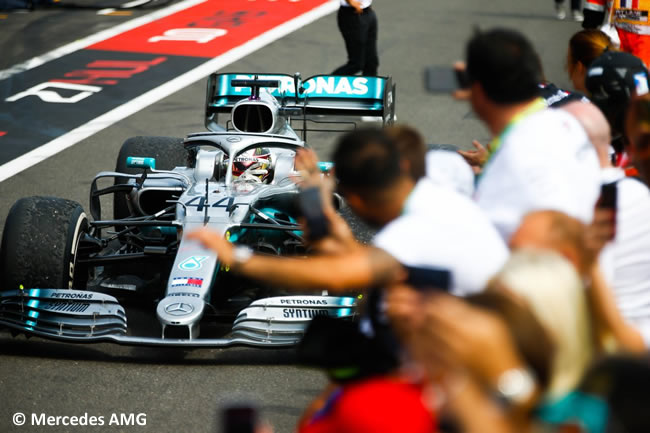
(317, 96)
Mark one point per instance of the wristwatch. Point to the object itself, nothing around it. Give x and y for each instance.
(241, 254)
(516, 386)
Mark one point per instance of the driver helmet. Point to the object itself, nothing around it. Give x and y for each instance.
(613, 79)
(255, 162)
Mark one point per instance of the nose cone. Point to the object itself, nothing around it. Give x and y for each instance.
(180, 310)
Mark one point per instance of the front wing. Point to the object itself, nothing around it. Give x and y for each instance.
(91, 317)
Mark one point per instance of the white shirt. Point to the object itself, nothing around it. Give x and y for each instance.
(442, 228)
(626, 261)
(448, 168)
(364, 3)
(545, 162)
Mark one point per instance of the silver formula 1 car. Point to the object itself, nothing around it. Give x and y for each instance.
(136, 279)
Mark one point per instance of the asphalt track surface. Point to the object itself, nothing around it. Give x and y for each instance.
(182, 391)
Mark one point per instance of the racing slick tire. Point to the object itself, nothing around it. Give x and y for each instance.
(168, 152)
(40, 242)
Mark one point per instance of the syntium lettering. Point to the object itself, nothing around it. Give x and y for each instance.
(300, 313)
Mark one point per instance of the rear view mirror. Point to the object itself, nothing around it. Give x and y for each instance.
(141, 162)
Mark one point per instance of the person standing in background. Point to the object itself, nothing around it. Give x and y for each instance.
(358, 25)
(629, 17)
(576, 14)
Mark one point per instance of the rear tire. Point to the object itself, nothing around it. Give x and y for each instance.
(168, 151)
(40, 242)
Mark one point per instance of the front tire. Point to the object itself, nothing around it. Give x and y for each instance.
(40, 242)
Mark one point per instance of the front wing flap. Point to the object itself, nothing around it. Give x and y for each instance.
(287, 317)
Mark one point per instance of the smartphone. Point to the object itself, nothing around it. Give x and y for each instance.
(445, 79)
(312, 209)
(608, 200)
(427, 278)
(239, 419)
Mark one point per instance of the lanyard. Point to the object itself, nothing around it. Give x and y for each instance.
(535, 106)
(494, 146)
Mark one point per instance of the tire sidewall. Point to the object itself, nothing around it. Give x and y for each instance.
(78, 226)
(40, 243)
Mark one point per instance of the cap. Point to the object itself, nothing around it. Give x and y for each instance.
(612, 80)
(616, 75)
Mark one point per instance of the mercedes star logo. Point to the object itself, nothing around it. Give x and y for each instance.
(179, 309)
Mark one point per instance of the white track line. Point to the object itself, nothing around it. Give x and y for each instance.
(104, 121)
(97, 37)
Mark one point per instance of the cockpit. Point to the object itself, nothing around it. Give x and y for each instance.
(255, 165)
(242, 158)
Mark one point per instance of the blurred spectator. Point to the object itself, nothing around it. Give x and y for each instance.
(624, 262)
(374, 405)
(585, 47)
(553, 289)
(378, 185)
(555, 231)
(558, 232)
(534, 343)
(452, 333)
(540, 158)
(629, 17)
(638, 134)
(449, 169)
(612, 80)
(599, 133)
(445, 334)
(411, 147)
(443, 167)
(551, 95)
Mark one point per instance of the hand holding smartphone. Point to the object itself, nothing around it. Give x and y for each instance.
(446, 79)
(312, 209)
(425, 279)
(608, 201)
